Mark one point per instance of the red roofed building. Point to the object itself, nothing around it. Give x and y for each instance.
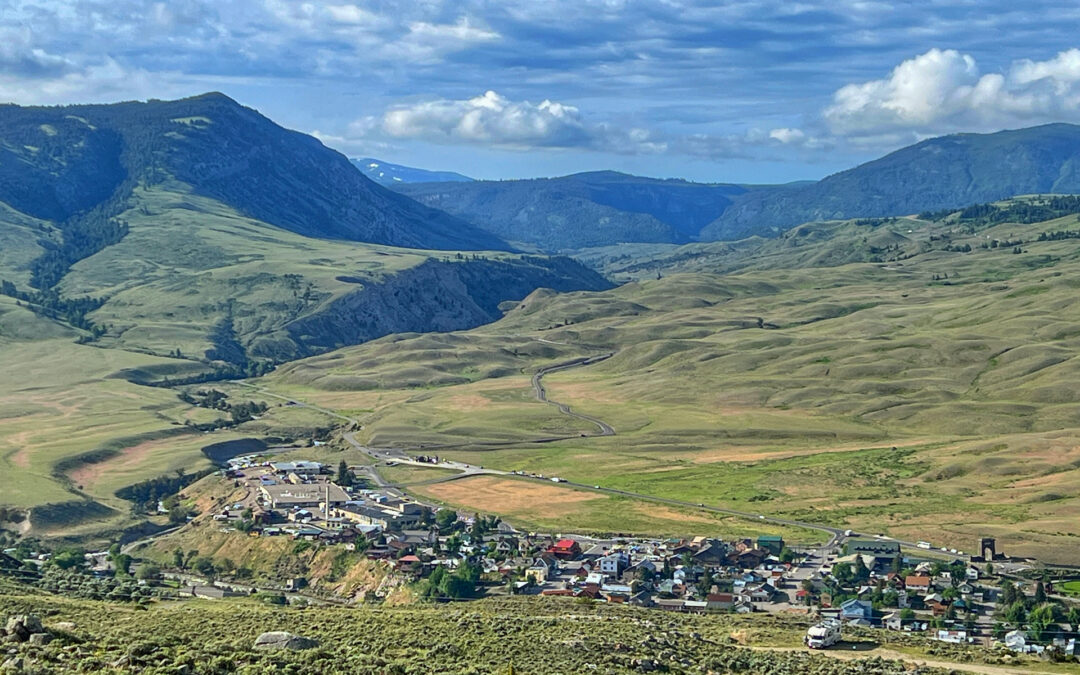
(565, 549)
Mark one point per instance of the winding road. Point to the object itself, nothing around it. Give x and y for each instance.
(541, 392)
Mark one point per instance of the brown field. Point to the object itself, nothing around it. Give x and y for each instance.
(508, 496)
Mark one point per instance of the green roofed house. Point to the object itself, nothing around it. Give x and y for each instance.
(772, 543)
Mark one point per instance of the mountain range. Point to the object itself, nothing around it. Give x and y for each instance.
(606, 208)
(57, 162)
(201, 227)
(582, 210)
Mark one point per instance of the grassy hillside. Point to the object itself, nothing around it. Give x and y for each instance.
(928, 391)
(192, 273)
(527, 635)
(74, 429)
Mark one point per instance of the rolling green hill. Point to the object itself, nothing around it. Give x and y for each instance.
(585, 209)
(946, 172)
(929, 389)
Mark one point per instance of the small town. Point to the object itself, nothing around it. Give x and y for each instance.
(853, 581)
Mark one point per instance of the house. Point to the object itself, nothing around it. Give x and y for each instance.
(714, 552)
(1016, 640)
(953, 636)
(1065, 646)
(762, 593)
(892, 621)
(617, 592)
(771, 543)
(671, 605)
(537, 573)
(751, 558)
(212, 592)
(695, 606)
(917, 583)
(642, 566)
(642, 599)
(565, 549)
(851, 610)
(614, 563)
(719, 601)
(591, 591)
(902, 600)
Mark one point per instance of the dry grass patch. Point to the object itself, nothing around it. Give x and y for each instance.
(507, 496)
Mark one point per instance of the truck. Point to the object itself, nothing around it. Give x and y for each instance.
(823, 635)
(924, 545)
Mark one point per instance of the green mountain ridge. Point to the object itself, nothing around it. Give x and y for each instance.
(606, 208)
(59, 162)
(946, 172)
(581, 210)
(179, 226)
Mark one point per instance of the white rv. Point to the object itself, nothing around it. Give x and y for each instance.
(823, 635)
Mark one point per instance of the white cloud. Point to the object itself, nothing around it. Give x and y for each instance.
(428, 43)
(942, 91)
(491, 119)
(787, 135)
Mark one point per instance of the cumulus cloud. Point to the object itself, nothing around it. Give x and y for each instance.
(942, 91)
(491, 119)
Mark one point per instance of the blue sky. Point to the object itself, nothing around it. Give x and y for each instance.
(747, 91)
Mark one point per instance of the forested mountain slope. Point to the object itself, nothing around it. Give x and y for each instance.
(585, 209)
(947, 172)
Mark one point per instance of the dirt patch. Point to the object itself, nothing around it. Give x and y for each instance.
(507, 496)
(21, 458)
(87, 475)
(468, 402)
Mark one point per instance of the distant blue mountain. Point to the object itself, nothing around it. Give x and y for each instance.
(386, 173)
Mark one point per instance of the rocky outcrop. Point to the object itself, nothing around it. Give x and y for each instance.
(25, 628)
(433, 296)
(280, 639)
